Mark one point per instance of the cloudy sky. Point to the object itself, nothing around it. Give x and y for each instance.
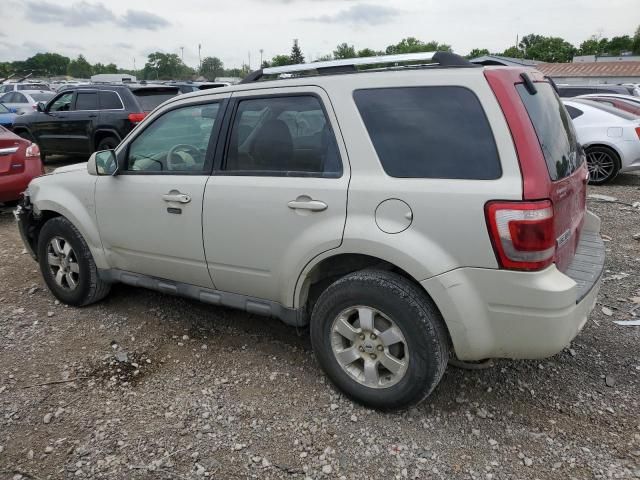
(120, 30)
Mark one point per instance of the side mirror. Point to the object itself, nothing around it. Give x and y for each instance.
(40, 106)
(103, 163)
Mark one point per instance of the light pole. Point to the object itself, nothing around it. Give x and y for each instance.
(261, 52)
(200, 56)
(182, 54)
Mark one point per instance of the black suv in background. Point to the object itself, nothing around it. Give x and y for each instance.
(81, 120)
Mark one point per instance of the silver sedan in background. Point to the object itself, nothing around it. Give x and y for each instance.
(25, 101)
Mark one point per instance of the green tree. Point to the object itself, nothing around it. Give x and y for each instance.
(165, 66)
(478, 52)
(47, 64)
(513, 52)
(324, 58)
(367, 52)
(296, 53)
(344, 51)
(593, 46)
(212, 67)
(413, 45)
(99, 68)
(618, 45)
(280, 61)
(79, 68)
(636, 42)
(547, 49)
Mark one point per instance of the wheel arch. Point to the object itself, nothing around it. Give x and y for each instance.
(102, 133)
(610, 146)
(73, 210)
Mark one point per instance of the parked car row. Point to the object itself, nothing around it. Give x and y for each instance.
(608, 128)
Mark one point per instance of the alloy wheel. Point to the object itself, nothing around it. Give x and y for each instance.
(369, 347)
(63, 263)
(601, 165)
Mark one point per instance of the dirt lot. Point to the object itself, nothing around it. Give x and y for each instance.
(152, 386)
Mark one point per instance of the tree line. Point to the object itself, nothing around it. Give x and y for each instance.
(167, 66)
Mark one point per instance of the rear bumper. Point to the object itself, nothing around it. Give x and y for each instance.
(12, 185)
(507, 314)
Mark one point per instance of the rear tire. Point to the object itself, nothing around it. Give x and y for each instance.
(407, 335)
(108, 143)
(603, 164)
(67, 265)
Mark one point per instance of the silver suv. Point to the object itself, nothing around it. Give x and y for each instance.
(407, 213)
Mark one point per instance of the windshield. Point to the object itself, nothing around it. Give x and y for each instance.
(554, 129)
(607, 108)
(3, 109)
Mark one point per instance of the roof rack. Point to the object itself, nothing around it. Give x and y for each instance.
(348, 65)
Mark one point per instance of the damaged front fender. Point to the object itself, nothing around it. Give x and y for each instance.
(28, 225)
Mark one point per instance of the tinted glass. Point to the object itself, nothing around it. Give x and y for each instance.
(573, 112)
(19, 98)
(176, 142)
(42, 97)
(62, 103)
(34, 86)
(429, 132)
(110, 101)
(87, 101)
(3, 109)
(554, 129)
(150, 99)
(283, 136)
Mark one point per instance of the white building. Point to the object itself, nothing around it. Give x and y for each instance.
(113, 78)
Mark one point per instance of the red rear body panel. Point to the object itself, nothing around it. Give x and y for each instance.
(568, 195)
(16, 169)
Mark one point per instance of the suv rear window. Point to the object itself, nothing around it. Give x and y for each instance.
(430, 132)
(554, 129)
(150, 99)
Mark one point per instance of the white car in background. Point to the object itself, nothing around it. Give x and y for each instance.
(26, 101)
(610, 137)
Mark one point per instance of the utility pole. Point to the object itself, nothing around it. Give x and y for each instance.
(249, 65)
(182, 56)
(261, 52)
(200, 56)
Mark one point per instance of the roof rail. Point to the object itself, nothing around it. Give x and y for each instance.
(348, 65)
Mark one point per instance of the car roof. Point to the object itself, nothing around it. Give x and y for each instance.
(616, 112)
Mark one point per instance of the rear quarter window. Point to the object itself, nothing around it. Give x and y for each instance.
(554, 129)
(430, 132)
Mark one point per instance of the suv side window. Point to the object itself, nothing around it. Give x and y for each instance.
(87, 101)
(110, 101)
(282, 136)
(62, 103)
(19, 98)
(430, 132)
(176, 142)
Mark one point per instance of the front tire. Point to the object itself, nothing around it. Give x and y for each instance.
(67, 265)
(603, 164)
(380, 339)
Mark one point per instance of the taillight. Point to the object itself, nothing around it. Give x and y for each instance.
(32, 151)
(522, 234)
(136, 117)
(638, 131)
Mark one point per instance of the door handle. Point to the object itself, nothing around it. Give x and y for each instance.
(305, 203)
(176, 197)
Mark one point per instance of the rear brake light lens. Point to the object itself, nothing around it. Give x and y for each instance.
(32, 151)
(638, 132)
(522, 234)
(136, 117)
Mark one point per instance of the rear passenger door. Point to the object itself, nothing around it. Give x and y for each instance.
(278, 195)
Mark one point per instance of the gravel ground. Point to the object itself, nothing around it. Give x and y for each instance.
(151, 386)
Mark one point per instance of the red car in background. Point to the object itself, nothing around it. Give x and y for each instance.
(19, 164)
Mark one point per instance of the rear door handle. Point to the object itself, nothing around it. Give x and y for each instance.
(176, 197)
(305, 203)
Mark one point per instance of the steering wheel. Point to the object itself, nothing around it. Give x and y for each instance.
(179, 162)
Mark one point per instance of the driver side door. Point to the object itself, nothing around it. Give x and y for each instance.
(150, 213)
